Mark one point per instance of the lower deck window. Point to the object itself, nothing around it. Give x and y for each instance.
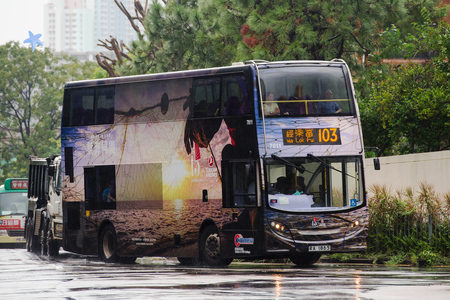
(100, 187)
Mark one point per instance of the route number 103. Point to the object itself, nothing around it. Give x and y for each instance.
(328, 135)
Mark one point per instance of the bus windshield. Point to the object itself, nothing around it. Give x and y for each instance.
(13, 204)
(305, 90)
(314, 183)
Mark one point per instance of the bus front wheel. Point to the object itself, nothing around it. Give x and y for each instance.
(305, 259)
(210, 248)
(108, 244)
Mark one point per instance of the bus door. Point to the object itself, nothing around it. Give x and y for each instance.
(240, 181)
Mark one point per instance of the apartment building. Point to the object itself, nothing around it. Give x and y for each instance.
(75, 26)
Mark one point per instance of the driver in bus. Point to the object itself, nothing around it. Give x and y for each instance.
(328, 107)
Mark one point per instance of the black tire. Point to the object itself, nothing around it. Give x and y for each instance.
(107, 244)
(305, 259)
(32, 241)
(52, 245)
(209, 250)
(43, 238)
(28, 234)
(188, 261)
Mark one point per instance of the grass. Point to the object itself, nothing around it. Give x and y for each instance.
(400, 223)
(406, 227)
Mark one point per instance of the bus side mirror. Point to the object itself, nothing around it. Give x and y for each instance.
(376, 163)
(376, 160)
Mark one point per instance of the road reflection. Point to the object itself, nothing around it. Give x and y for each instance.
(27, 276)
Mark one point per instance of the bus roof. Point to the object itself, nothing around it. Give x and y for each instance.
(236, 67)
(156, 76)
(14, 185)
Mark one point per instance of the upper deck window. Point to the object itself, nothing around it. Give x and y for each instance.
(220, 96)
(306, 91)
(182, 98)
(88, 106)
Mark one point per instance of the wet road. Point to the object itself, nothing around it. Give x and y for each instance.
(24, 275)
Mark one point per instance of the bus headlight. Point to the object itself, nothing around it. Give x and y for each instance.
(3, 233)
(277, 226)
(356, 223)
(280, 228)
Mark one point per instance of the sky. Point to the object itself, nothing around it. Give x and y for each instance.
(17, 17)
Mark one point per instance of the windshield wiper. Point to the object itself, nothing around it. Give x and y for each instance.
(327, 165)
(300, 168)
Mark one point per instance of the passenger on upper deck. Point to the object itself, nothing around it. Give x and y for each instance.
(270, 107)
(328, 107)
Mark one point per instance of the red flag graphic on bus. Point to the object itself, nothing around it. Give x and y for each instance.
(197, 151)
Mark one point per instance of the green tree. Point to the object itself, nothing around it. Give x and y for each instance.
(412, 107)
(406, 108)
(194, 34)
(31, 91)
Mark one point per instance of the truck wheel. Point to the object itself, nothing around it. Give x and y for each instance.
(209, 250)
(28, 234)
(52, 245)
(305, 259)
(43, 239)
(32, 242)
(108, 244)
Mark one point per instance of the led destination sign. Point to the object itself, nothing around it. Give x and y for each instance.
(312, 136)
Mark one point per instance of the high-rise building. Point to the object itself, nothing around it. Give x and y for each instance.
(77, 25)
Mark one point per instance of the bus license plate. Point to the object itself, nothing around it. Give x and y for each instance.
(319, 248)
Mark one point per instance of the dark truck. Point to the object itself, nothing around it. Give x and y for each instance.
(44, 226)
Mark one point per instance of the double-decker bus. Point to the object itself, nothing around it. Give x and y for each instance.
(255, 160)
(13, 211)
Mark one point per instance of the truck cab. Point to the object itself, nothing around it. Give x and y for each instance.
(44, 225)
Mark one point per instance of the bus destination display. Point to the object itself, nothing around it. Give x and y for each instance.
(311, 136)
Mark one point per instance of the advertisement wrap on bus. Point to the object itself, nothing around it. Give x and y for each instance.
(197, 165)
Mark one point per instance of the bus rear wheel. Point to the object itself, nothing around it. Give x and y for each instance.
(209, 250)
(305, 259)
(108, 244)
